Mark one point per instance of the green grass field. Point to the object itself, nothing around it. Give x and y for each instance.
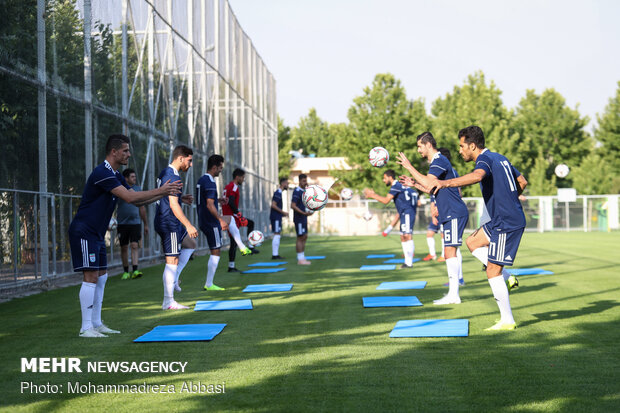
(316, 349)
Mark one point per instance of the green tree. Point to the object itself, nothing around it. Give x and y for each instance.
(550, 133)
(608, 133)
(284, 147)
(382, 116)
(592, 176)
(311, 136)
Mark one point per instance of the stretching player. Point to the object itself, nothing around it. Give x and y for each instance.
(173, 227)
(300, 219)
(405, 204)
(276, 218)
(452, 211)
(497, 244)
(230, 209)
(104, 185)
(211, 223)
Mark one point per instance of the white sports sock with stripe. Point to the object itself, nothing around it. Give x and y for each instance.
(430, 241)
(186, 253)
(460, 257)
(443, 247)
(275, 245)
(453, 277)
(98, 299)
(170, 271)
(87, 296)
(234, 232)
(500, 292)
(214, 260)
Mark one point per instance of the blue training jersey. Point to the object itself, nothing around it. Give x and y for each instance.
(500, 191)
(97, 204)
(402, 198)
(277, 198)
(206, 189)
(297, 200)
(165, 221)
(448, 200)
(413, 197)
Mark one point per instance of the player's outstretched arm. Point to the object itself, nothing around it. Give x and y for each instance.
(141, 198)
(426, 180)
(468, 179)
(178, 213)
(410, 182)
(369, 193)
(522, 183)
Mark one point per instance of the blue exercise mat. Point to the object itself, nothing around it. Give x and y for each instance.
(263, 270)
(431, 328)
(402, 285)
(381, 256)
(399, 261)
(267, 264)
(411, 301)
(262, 288)
(223, 305)
(182, 332)
(528, 271)
(315, 257)
(377, 267)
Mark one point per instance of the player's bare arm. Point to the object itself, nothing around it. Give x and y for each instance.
(427, 181)
(468, 179)
(369, 193)
(187, 199)
(299, 210)
(144, 219)
(146, 197)
(213, 211)
(176, 209)
(274, 206)
(410, 182)
(522, 183)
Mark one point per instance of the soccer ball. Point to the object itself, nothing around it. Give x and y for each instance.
(378, 156)
(315, 197)
(346, 194)
(113, 224)
(255, 238)
(367, 215)
(562, 170)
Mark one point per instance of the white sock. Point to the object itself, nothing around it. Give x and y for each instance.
(87, 296)
(443, 247)
(482, 254)
(234, 232)
(460, 257)
(500, 292)
(430, 241)
(169, 277)
(453, 276)
(301, 256)
(405, 251)
(275, 245)
(411, 249)
(183, 260)
(98, 300)
(231, 264)
(214, 260)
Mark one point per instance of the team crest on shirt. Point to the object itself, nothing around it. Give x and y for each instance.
(91, 257)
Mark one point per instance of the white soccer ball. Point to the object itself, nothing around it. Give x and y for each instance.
(346, 194)
(315, 197)
(256, 238)
(378, 156)
(113, 224)
(367, 215)
(562, 170)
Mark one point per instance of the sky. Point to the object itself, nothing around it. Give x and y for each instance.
(323, 53)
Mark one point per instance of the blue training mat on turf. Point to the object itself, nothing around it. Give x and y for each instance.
(315, 257)
(267, 264)
(378, 267)
(431, 328)
(399, 261)
(529, 271)
(381, 256)
(262, 288)
(402, 285)
(411, 301)
(182, 332)
(223, 305)
(263, 270)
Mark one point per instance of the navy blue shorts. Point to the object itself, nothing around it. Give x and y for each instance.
(301, 228)
(453, 231)
(407, 219)
(433, 227)
(213, 232)
(171, 241)
(276, 226)
(503, 245)
(88, 254)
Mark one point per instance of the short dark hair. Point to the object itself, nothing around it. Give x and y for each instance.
(445, 152)
(302, 176)
(214, 160)
(282, 180)
(390, 172)
(238, 172)
(473, 134)
(181, 150)
(115, 142)
(128, 172)
(427, 137)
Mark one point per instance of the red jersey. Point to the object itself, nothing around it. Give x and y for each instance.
(232, 189)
